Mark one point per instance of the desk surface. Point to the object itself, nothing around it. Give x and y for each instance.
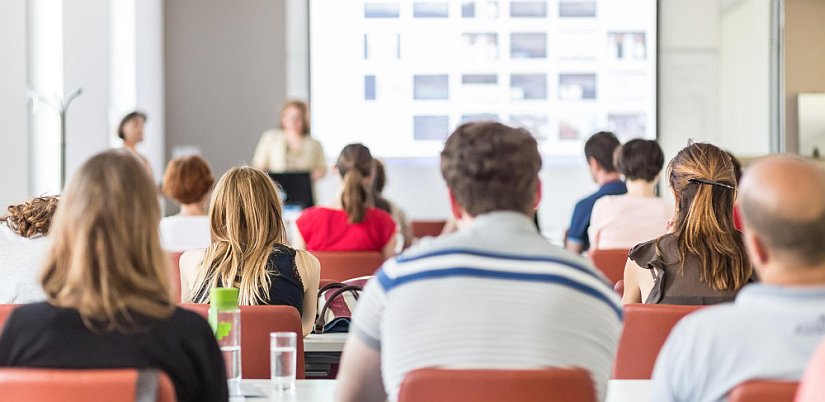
(325, 342)
(324, 391)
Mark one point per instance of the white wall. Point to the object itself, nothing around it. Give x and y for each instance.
(13, 118)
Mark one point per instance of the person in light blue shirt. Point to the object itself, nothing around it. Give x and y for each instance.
(773, 328)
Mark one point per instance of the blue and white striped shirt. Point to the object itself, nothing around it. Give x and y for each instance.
(494, 295)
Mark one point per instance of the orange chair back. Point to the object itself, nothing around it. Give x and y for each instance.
(610, 262)
(256, 324)
(5, 312)
(764, 391)
(646, 327)
(427, 228)
(548, 385)
(174, 275)
(342, 265)
(50, 385)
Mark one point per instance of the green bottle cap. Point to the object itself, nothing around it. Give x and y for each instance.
(224, 298)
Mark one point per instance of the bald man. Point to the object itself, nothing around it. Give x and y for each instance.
(773, 328)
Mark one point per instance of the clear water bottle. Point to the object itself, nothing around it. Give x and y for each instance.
(225, 319)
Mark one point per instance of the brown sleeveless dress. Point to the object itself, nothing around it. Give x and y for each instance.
(670, 284)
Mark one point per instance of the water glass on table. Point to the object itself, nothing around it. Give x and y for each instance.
(283, 359)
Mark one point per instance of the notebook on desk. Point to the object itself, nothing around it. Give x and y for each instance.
(297, 186)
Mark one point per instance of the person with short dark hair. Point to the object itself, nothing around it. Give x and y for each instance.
(773, 328)
(496, 293)
(187, 180)
(130, 130)
(623, 221)
(598, 150)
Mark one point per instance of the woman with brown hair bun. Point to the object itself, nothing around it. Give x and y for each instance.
(23, 245)
(106, 280)
(248, 250)
(702, 260)
(352, 223)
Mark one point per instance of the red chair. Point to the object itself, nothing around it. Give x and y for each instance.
(765, 391)
(50, 385)
(610, 262)
(342, 265)
(174, 276)
(427, 228)
(5, 312)
(646, 327)
(548, 385)
(256, 324)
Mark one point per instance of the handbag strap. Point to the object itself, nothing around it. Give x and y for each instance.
(319, 322)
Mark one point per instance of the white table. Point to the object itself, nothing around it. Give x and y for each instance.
(325, 342)
(324, 391)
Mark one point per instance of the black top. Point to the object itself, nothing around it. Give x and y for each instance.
(285, 285)
(43, 336)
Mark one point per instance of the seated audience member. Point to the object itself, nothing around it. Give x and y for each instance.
(702, 260)
(352, 223)
(812, 386)
(496, 293)
(623, 221)
(107, 288)
(248, 250)
(23, 246)
(187, 180)
(398, 215)
(773, 328)
(598, 150)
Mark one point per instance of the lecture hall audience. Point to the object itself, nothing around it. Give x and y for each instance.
(249, 250)
(351, 223)
(187, 180)
(702, 260)
(773, 328)
(598, 150)
(107, 287)
(23, 246)
(623, 221)
(494, 294)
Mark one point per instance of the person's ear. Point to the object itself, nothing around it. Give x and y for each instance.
(537, 197)
(455, 207)
(757, 251)
(593, 164)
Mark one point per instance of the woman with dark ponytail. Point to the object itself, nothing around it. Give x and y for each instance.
(352, 223)
(702, 260)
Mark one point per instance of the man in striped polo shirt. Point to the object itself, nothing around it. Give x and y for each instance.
(494, 295)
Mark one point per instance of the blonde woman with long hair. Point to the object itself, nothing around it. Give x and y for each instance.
(249, 250)
(106, 280)
(352, 222)
(702, 260)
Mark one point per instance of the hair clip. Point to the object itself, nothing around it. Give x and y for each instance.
(711, 182)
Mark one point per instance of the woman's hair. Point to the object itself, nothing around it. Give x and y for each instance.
(354, 164)
(639, 159)
(105, 260)
(702, 177)
(246, 223)
(303, 108)
(31, 218)
(187, 179)
(129, 117)
(378, 182)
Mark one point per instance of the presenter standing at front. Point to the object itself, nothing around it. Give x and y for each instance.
(290, 147)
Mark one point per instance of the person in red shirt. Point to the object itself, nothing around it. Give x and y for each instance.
(352, 223)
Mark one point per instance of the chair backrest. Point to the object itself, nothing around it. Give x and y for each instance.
(427, 228)
(256, 324)
(610, 262)
(342, 265)
(53, 385)
(646, 327)
(765, 391)
(5, 312)
(174, 275)
(547, 385)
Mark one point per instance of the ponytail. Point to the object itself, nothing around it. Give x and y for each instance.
(354, 198)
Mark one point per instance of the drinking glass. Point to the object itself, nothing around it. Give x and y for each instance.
(282, 359)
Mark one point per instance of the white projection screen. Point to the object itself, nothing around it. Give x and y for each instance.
(399, 76)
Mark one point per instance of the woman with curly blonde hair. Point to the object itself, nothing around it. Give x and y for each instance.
(23, 244)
